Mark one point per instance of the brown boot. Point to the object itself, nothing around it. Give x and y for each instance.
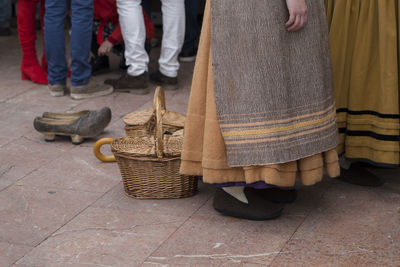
(89, 90)
(168, 83)
(133, 84)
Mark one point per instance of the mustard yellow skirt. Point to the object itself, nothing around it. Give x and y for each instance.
(365, 47)
(204, 149)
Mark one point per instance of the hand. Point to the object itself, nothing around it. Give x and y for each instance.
(298, 15)
(105, 48)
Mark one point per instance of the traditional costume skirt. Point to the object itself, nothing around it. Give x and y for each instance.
(278, 143)
(365, 46)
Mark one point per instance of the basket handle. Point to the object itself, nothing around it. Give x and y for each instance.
(159, 96)
(97, 146)
(159, 108)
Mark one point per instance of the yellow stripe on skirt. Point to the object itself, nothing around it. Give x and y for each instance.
(365, 47)
(204, 149)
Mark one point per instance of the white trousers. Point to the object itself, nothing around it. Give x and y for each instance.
(134, 33)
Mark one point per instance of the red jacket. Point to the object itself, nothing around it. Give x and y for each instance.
(106, 11)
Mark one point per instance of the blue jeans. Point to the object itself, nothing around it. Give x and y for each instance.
(5, 13)
(192, 27)
(81, 38)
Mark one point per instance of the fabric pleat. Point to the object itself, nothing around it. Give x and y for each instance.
(204, 151)
(365, 48)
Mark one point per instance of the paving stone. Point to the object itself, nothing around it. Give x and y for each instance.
(216, 240)
(179, 101)
(308, 197)
(107, 237)
(13, 87)
(10, 253)
(16, 119)
(77, 170)
(39, 96)
(119, 103)
(116, 199)
(23, 156)
(353, 226)
(29, 215)
(5, 140)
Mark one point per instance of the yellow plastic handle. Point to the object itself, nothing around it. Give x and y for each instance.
(98, 145)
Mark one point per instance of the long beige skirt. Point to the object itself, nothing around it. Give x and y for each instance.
(204, 149)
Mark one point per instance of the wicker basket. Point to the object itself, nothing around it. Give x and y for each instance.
(142, 122)
(148, 169)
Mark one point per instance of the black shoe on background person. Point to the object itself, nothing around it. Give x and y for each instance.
(132, 84)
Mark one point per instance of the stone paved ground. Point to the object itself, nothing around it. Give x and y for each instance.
(60, 206)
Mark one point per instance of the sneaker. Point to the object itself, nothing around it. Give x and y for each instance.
(168, 83)
(100, 65)
(133, 84)
(91, 89)
(57, 89)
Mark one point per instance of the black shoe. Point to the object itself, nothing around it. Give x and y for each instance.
(257, 209)
(132, 84)
(5, 32)
(358, 175)
(100, 65)
(188, 56)
(278, 195)
(168, 83)
(84, 124)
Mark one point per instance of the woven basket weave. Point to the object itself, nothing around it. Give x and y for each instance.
(142, 122)
(149, 165)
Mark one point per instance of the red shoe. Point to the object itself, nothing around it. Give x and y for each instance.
(30, 67)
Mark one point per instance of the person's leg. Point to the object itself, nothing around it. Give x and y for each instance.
(99, 64)
(147, 7)
(41, 14)
(173, 12)
(30, 68)
(81, 38)
(5, 17)
(56, 12)
(133, 30)
(188, 53)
